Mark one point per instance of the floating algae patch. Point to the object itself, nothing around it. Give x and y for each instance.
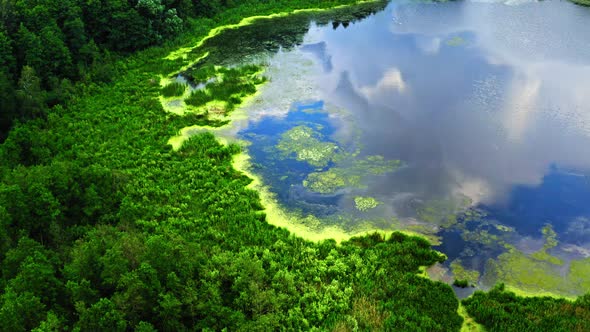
(526, 273)
(550, 242)
(306, 226)
(579, 274)
(540, 273)
(442, 212)
(349, 176)
(365, 203)
(330, 181)
(462, 273)
(484, 237)
(306, 145)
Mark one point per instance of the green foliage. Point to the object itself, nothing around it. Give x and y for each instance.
(103, 316)
(585, 3)
(105, 228)
(463, 283)
(198, 98)
(501, 310)
(174, 89)
(228, 86)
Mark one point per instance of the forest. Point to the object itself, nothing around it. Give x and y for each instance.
(104, 227)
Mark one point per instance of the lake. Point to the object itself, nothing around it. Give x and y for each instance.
(468, 122)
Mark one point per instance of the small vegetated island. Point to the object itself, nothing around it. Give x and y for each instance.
(105, 226)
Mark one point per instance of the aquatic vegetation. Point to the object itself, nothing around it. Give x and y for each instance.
(579, 274)
(534, 273)
(470, 277)
(349, 176)
(174, 89)
(230, 87)
(266, 35)
(550, 242)
(330, 181)
(306, 145)
(149, 219)
(483, 236)
(200, 74)
(365, 203)
(504, 228)
(524, 272)
(443, 212)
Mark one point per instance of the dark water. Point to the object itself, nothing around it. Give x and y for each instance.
(486, 105)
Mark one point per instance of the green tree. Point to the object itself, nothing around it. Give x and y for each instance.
(7, 60)
(29, 94)
(28, 49)
(20, 311)
(102, 316)
(8, 109)
(57, 60)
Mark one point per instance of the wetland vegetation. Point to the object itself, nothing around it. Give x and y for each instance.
(106, 227)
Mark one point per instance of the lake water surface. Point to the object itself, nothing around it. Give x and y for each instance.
(468, 121)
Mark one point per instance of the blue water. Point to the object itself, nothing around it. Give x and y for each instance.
(285, 175)
(558, 200)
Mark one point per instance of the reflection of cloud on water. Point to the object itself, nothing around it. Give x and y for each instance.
(430, 45)
(290, 80)
(478, 190)
(578, 230)
(537, 115)
(521, 106)
(391, 81)
(319, 50)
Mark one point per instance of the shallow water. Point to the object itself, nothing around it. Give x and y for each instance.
(466, 120)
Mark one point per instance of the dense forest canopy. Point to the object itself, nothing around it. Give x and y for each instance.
(103, 227)
(46, 45)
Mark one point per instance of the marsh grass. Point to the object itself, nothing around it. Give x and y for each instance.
(201, 74)
(231, 86)
(174, 89)
(198, 98)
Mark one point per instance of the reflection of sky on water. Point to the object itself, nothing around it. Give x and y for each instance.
(480, 116)
(484, 100)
